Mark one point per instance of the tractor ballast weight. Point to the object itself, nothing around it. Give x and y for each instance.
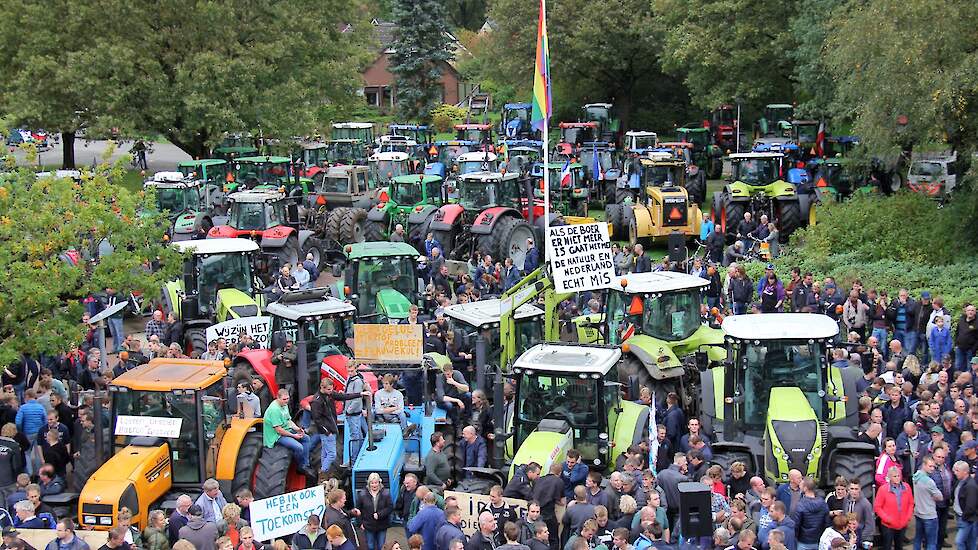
(778, 403)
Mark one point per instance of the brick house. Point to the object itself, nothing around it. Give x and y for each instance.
(378, 82)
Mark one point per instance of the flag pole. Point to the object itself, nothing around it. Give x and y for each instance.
(546, 154)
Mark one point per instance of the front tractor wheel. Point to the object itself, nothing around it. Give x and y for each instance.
(353, 226)
(198, 339)
(731, 213)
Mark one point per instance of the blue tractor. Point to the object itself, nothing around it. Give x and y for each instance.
(515, 122)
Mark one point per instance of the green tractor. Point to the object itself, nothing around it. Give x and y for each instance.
(656, 319)
(776, 121)
(267, 173)
(412, 202)
(756, 186)
(707, 158)
(380, 279)
(218, 284)
(363, 132)
(235, 146)
(609, 126)
(189, 204)
(778, 404)
(567, 197)
(568, 396)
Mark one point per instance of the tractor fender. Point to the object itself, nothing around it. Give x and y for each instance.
(222, 232)
(227, 453)
(656, 355)
(260, 361)
(276, 236)
(644, 222)
(781, 188)
(486, 221)
(446, 216)
(420, 216)
(544, 448)
(377, 214)
(171, 297)
(633, 420)
(186, 223)
(738, 190)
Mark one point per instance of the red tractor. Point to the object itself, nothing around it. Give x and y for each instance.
(723, 126)
(481, 134)
(573, 135)
(491, 217)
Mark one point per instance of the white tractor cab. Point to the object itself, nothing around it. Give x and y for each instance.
(387, 165)
(360, 131)
(476, 326)
(400, 144)
(637, 141)
(934, 175)
(477, 161)
(189, 204)
(568, 396)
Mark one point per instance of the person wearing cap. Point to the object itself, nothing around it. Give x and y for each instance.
(200, 533)
(969, 454)
(11, 535)
(830, 301)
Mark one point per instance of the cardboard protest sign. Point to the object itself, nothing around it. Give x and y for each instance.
(580, 257)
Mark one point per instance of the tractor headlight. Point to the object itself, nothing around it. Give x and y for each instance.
(597, 461)
(90, 520)
(603, 436)
(810, 457)
(778, 451)
(106, 520)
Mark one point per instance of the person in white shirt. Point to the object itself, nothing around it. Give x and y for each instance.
(301, 276)
(389, 404)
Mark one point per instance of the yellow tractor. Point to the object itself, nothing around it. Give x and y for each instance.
(666, 209)
(171, 430)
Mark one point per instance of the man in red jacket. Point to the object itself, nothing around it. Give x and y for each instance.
(894, 507)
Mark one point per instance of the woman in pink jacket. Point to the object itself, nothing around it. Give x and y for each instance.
(885, 461)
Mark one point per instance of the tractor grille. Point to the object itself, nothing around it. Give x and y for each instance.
(99, 509)
(674, 211)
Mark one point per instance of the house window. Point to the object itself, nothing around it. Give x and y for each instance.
(371, 96)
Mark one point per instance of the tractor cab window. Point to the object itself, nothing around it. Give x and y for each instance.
(672, 316)
(248, 216)
(644, 142)
(275, 213)
(182, 404)
(614, 315)
(448, 153)
(362, 182)
(756, 171)
(509, 191)
(395, 273)
(777, 114)
(927, 169)
(251, 174)
(433, 190)
(660, 175)
(406, 192)
(470, 134)
(340, 152)
(776, 363)
(172, 199)
(314, 156)
(333, 184)
(529, 332)
(323, 338)
(604, 159)
(558, 397)
(387, 169)
(212, 409)
(480, 165)
(807, 133)
(477, 194)
(597, 114)
(219, 271)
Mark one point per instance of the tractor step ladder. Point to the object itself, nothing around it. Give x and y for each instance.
(479, 103)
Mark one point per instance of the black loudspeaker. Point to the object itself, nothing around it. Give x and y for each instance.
(695, 510)
(677, 247)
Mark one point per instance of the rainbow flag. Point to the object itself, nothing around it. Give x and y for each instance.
(541, 75)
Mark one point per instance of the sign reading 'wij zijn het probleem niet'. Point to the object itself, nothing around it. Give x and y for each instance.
(580, 257)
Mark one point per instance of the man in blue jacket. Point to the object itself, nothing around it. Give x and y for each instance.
(427, 522)
(474, 453)
(451, 529)
(810, 517)
(573, 473)
(790, 493)
(780, 522)
(532, 260)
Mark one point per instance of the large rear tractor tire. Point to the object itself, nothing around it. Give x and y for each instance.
(696, 188)
(273, 472)
(615, 215)
(332, 225)
(352, 226)
(247, 461)
(789, 217)
(374, 231)
(315, 247)
(855, 466)
(726, 458)
(447, 240)
(509, 240)
(198, 339)
(288, 254)
(633, 372)
(731, 213)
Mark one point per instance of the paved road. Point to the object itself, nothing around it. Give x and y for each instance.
(165, 156)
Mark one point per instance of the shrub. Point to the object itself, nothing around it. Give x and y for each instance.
(445, 116)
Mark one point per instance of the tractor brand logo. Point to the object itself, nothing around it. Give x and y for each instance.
(553, 453)
(798, 450)
(155, 471)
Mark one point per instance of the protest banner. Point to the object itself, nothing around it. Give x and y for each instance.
(580, 257)
(256, 327)
(283, 515)
(471, 505)
(388, 344)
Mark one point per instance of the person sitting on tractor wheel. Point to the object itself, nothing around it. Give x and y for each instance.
(279, 429)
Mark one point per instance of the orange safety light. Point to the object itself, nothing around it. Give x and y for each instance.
(383, 196)
(636, 307)
(821, 183)
(229, 178)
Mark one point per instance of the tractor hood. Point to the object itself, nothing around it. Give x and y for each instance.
(392, 304)
(146, 467)
(793, 434)
(233, 304)
(544, 448)
(185, 223)
(777, 188)
(656, 355)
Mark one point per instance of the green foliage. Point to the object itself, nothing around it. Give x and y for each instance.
(890, 243)
(809, 28)
(445, 116)
(728, 49)
(421, 47)
(913, 58)
(40, 219)
(189, 70)
(466, 14)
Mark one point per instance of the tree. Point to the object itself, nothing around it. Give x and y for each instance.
(421, 47)
(728, 49)
(40, 220)
(815, 85)
(188, 70)
(466, 14)
(907, 58)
